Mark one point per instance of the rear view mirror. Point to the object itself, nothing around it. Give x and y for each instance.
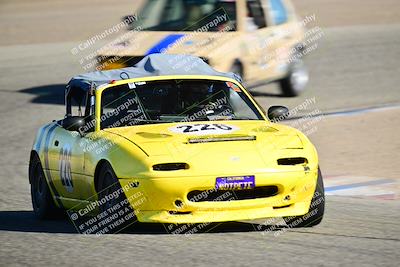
(73, 123)
(278, 113)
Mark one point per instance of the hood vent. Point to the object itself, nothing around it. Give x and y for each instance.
(292, 161)
(221, 139)
(170, 166)
(153, 135)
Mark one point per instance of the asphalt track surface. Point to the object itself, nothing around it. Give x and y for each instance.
(354, 67)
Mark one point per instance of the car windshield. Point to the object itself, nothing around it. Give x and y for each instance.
(174, 101)
(187, 15)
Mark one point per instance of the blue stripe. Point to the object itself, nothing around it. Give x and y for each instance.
(279, 11)
(40, 139)
(164, 44)
(348, 186)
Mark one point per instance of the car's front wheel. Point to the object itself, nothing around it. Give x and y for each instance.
(316, 211)
(113, 203)
(296, 80)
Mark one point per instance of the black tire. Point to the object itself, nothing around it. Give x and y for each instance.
(42, 201)
(296, 80)
(108, 184)
(315, 213)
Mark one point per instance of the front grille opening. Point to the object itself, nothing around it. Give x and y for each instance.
(221, 139)
(171, 166)
(174, 212)
(292, 161)
(282, 207)
(230, 195)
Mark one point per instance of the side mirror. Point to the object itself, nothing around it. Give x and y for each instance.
(73, 123)
(278, 113)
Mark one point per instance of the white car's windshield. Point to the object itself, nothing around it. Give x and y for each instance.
(187, 15)
(174, 101)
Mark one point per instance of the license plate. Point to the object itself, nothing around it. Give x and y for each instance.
(235, 182)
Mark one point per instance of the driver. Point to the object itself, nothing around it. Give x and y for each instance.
(195, 95)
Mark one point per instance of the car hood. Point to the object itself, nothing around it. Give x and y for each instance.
(257, 144)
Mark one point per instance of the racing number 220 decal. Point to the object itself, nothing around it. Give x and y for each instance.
(65, 168)
(201, 129)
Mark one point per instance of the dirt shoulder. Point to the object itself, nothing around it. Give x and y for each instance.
(337, 13)
(362, 145)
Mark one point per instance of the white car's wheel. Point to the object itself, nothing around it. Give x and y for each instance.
(296, 80)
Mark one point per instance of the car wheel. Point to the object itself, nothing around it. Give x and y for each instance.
(112, 198)
(315, 213)
(42, 201)
(296, 80)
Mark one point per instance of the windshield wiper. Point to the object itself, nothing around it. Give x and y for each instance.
(203, 118)
(141, 122)
(243, 119)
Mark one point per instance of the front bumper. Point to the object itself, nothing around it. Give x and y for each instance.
(160, 197)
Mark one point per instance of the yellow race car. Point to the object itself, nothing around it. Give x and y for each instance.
(161, 142)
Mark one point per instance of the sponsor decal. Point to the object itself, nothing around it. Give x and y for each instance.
(233, 86)
(203, 129)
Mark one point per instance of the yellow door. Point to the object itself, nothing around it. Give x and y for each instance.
(66, 161)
